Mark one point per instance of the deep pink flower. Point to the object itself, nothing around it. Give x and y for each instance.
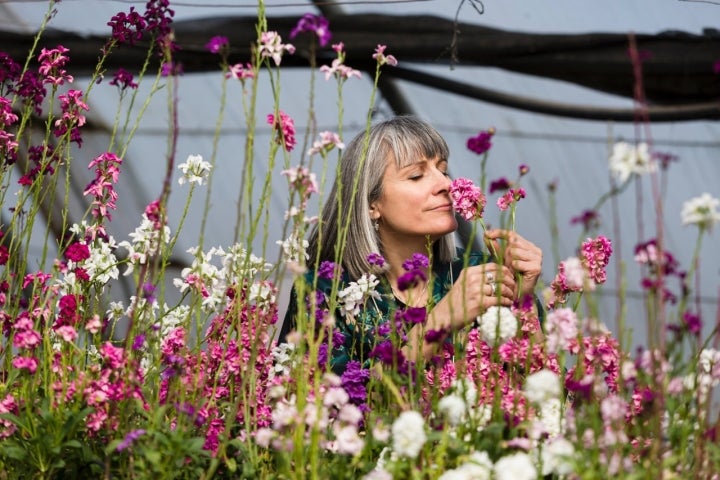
(589, 219)
(51, 65)
(285, 128)
(217, 44)
(77, 252)
(316, 24)
(468, 200)
(501, 184)
(481, 143)
(28, 363)
(113, 356)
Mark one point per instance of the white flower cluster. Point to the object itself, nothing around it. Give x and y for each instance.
(701, 211)
(541, 386)
(146, 241)
(497, 325)
(628, 159)
(283, 356)
(356, 294)
(477, 467)
(457, 405)
(408, 434)
(195, 170)
(238, 267)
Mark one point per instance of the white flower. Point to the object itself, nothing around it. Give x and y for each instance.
(195, 170)
(497, 325)
(557, 456)
(516, 466)
(478, 467)
(701, 211)
(466, 389)
(453, 408)
(551, 418)
(355, 294)
(348, 441)
(294, 249)
(408, 434)
(627, 159)
(576, 277)
(542, 385)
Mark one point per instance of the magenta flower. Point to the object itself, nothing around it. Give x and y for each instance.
(716, 67)
(501, 184)
(596, 254)
(107, 172)
(468, 200)
(127, 28)
(77, 252)
(123, 79)
(383, 59)
(589, 219)
(316, 24)
(217, 44)
(285, 127)
(481, 143)
(377, 260)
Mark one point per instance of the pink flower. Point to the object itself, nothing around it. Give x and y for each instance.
(67, 333)
(328, 140)
(285, 128)
(28, 363)
(511, 196)
(596, 254)
(77, 252)
(240, 71)
(383, 59)
(124, 80)
(481, 143)
(271, 46)
(51, 65)
(112, 355)
(561, 327)
(468, 200)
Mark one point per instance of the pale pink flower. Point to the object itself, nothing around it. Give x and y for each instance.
(468, 200)
(271, 46)
(513, 195)
(28, 363)
(561, 327)
(328, 140)
(383, 59)
(94, 324)
(67, 333)
(240, 71)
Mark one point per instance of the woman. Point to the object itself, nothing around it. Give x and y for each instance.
(393, 188)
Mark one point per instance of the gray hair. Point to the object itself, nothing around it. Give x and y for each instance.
(405, 139)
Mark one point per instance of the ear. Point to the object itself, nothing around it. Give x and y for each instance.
(374, 212)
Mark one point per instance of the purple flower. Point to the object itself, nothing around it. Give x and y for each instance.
(411, 315)
(417, 261)
(692, 322)
(313, 24)
(354, 379)
(377, 260)
(138, 342)
(127, 28)
(589, 219)
(410, 279)
(523, 169)
(124, 80)
(501, 184)
(327, 270)
(129, 439)
(481, 143)
(434, 336)
(217, 44)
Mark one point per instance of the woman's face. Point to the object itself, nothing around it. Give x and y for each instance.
(415, 202)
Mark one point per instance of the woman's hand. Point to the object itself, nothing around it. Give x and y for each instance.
(520, 255)
(476, 289)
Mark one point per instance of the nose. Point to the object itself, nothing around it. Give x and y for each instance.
(442, 181)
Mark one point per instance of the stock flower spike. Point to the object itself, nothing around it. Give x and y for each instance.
(285, 128)
(468, 200)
